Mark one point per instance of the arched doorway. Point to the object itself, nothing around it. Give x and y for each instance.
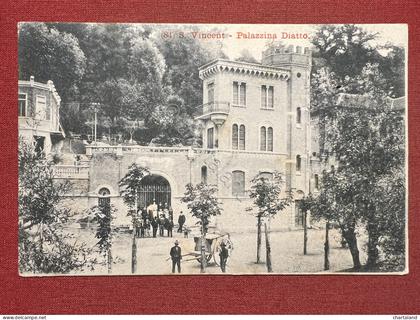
(154, 188)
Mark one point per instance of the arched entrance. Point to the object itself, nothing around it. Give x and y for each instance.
(154, 188)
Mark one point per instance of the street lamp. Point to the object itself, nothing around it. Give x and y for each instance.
(95, 110)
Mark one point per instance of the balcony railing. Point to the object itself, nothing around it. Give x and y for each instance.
(215, 107)
(71, 171)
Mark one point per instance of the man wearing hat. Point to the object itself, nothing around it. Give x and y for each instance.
(176, 257)
(224, 254)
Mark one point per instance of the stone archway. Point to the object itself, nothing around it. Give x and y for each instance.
(154, 188)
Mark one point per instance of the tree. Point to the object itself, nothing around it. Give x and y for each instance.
(130, 185)
(265, 193)
(44, 247)
(305, 205)
(203, 204)
(246, 56)
(366, 137)
(48, 54)
(104, 214)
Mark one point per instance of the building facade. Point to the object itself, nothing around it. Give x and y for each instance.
(39, 116)
(255, 119)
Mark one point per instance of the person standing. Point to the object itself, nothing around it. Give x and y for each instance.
(169, 226)
(155, 224)
(181, 221)
(224, 254)
(176, 256)
(162, 225)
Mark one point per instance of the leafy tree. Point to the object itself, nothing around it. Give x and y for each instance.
(48, 54)
(346, 49)
(203, 204)
(365, 135)
(103, 214)
(130, 185)
(44, 247)
(266, 197)
(246, 56)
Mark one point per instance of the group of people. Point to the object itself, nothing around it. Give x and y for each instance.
(153, 218)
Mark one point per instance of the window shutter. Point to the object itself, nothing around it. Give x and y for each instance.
(243, 94)
(242, 137)
(263, 139)
(270, 97)
(235, 93)
(238, 183)
(235, 137)
(270, 139)
(263, 97)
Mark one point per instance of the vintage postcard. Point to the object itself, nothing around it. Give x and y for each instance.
(212, 149)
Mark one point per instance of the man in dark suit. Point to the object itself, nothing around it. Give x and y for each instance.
(176, 256)
(224, 254)
(181, 221)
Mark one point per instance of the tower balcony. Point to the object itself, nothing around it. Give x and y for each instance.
(216, 111)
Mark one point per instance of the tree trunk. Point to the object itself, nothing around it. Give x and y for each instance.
(268, 249)
(203, 255)
(351, 239)
(134, 254)
(259, 239)
(372, 246)
(109, 261)
(305, 233)
(203, 248)
(327, 247)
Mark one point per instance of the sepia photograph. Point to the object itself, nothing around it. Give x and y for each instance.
(212, 149)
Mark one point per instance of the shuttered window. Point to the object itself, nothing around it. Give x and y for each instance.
(210, 138)
(263, 97)
(270, 102)
(242, 101)
(238, 183)
(242, 137)
(210, 92)
(270, 139)
(263, 139)
(298, 163)
(235, 137)
(22, 104)
(235, 93)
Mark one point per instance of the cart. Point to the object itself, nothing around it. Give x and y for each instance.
(212, 246)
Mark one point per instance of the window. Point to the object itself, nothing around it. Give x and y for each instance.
(266, 175)
(267, 97)
(263, 139)
(104, 200)
(22, 104)
(41, 107)
(210, 138)
(270, 139)
(204, 174)
(263, 97)
(266, 139)
(210, 92)
(235, 93)
(298, 115)
(238, 183)
(235, 137)
(298, 163)
(239, 93)
(242, 137)
(316, 180)
(270, 102)
(242, 98)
